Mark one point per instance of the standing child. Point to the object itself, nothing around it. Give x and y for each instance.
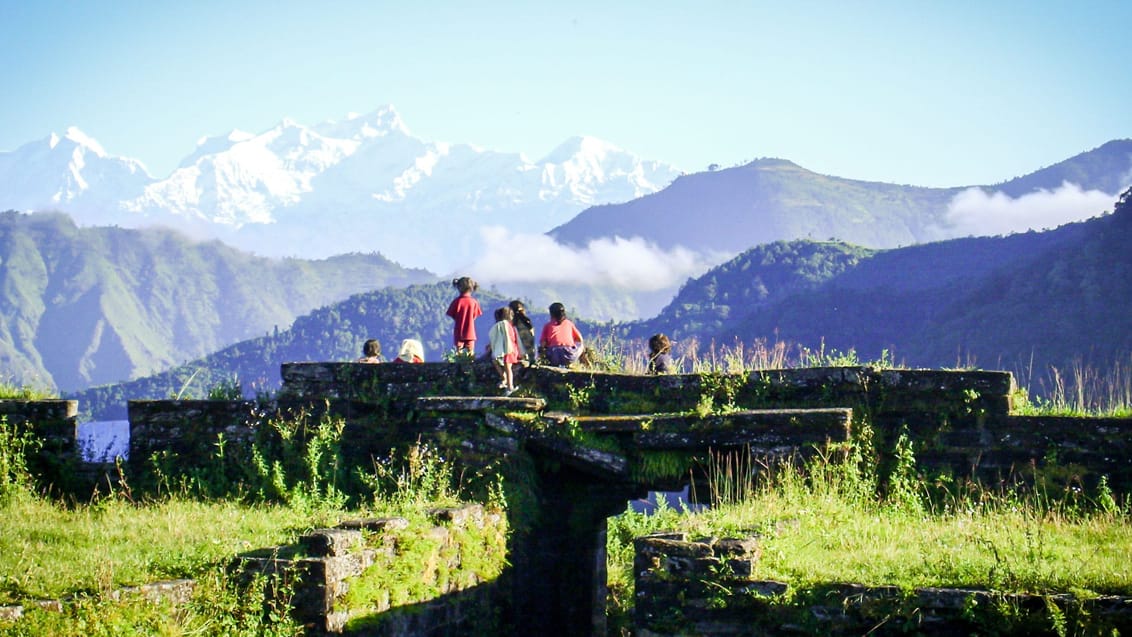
(464, 310)
(526, 330)
(504, 348)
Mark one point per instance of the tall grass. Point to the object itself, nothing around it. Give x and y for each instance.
(832, 519)
(610, 352)
(1081, 389)
(13, 391)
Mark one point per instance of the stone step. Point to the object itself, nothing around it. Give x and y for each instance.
(480, 403)
(765, 429)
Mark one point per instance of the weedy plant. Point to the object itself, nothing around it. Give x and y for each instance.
(459, 356)
(227, 389)
(16, 444)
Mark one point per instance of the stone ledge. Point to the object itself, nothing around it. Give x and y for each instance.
(671, 571)
(479, 403)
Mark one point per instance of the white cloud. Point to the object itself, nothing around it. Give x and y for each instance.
(633, 264)
(974, 212)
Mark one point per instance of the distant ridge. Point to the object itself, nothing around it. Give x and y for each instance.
(770, 200)
(87, 306)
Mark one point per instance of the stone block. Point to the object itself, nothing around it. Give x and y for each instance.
(331, 542)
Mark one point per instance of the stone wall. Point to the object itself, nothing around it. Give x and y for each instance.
(706, 588)
(363, 555)
(187, 429)
(959, 421)
(57, 465)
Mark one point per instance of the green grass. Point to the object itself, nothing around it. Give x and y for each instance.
(826, 528)
(217, 608)
(48, 551)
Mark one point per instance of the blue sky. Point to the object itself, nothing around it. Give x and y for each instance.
(926, 93)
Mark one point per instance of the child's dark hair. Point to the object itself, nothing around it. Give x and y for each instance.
(557, 312)
(503, 314)
(465, 284)
(659, 344)
(371, 348)
(519, 313)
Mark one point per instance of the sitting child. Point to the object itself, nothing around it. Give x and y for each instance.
(371, 352)
(560, 341)
(411, 352)
(660, 360)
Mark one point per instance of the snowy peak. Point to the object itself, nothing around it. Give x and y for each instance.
(71, 170)
(582, 148)
(383, 122)
(214, 145)
(81, 140)
(362, 183)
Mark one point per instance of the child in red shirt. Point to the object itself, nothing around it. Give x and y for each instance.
(464, 310)
(561, 342)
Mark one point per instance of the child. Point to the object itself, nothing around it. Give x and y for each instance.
(504, 343)
(525, 328)
(464, 310)
(561, 342)
(371, 352)
(660, 361)
(411, 352)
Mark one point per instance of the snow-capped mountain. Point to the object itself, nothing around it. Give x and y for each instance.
(71, 171)
(361, 184)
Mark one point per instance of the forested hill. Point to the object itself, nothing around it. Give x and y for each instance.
(332, 333)
(756, 279)
(1032, 299)
(87, 306)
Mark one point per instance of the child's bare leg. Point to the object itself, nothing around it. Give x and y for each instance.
(508, 376)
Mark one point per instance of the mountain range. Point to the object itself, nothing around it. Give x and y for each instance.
(623, 232)
(1021, 302)
(770, 200)
(365, 183)
(91, 305)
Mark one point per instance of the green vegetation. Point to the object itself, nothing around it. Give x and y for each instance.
(825, 523)
(13, 391)
(427, 566)
(1083, 390)
(48, 550)
(189, 522)
(85, 306)
(219, 607)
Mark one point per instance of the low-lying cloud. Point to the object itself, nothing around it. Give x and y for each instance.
(975, 212)
(633, 264)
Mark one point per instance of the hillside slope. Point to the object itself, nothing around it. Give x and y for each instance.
(1030, 299)
(85, 306)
